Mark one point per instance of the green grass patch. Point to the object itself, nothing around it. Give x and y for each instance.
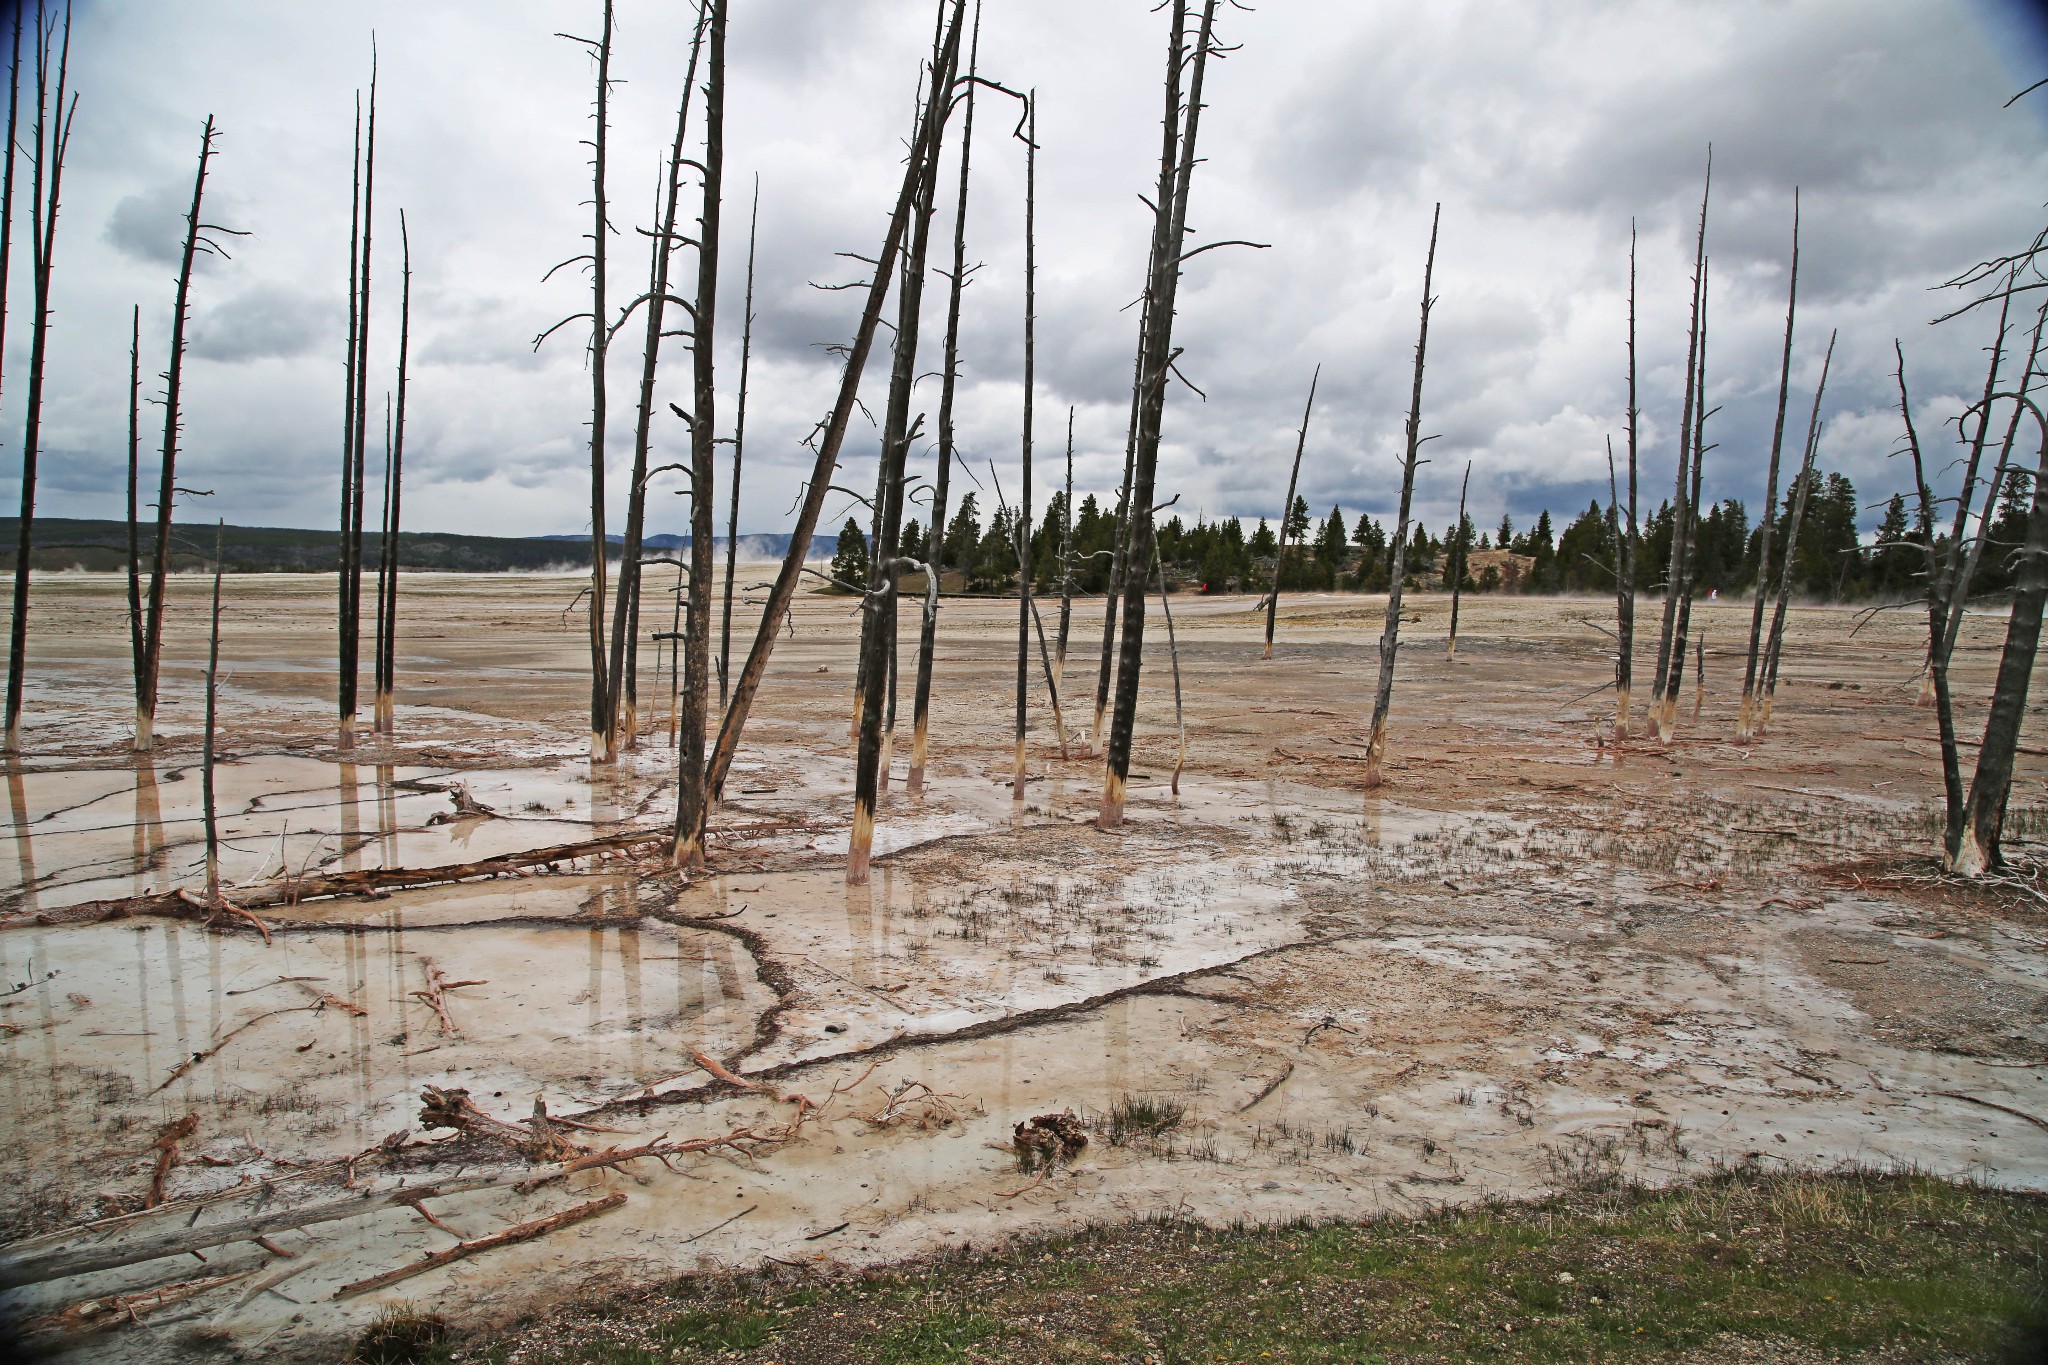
(1841, 1265)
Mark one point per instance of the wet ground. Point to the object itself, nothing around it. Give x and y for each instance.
(1271, 995)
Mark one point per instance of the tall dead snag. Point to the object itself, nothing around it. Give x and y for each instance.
(693, 797)
(949, 374)
(1687, 581)
(739, 450)
(167, 486)
(620, 673)
(207, 747)
(832, 433)
(1745, 727)
(1059, 653)
(1681, 513)
(355, 484)
(1458, 551)
(1390, 635)
(603, 716)
(1287, 512)
(1022, 525)
(1629, 535)
(344, 645)
(135, 637)
(1976, 849)
(878, 606)
(1156, 356)
(52, 140)
(386, 716)
(1937, 626)
(1774, 646)
(1113, 594)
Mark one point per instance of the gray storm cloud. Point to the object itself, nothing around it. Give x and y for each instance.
(1545, 131)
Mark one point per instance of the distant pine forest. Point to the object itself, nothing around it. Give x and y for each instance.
(1831, 561)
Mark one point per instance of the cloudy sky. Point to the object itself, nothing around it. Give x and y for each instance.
(1543, 130)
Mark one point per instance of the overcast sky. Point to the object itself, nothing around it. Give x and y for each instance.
(1543, 130)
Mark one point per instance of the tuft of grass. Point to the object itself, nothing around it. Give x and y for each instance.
(933, 1338)
(1135, 1117)
(402, 1335)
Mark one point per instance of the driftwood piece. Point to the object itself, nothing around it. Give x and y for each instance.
(97, 1315)
(167, 1140)
(436, 995)
(199, 1057)
(524, 1232)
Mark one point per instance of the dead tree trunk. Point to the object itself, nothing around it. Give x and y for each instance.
(1628, 536)
(384, 551)
(1937, 626)
(6, 252)
(878, 607)
(1022, 525)
(949, 373)
(833, 433)
(1458, 565)
(693, 795)
(352, 527)
(739, 450)
(1113, 591)
(52, 141)
(343, 678)
(1059, 656)
(1688, 581)
(1176, 177)
(1774, 647)
(1745, 727)
(212, 711)
(153, 635)
(386, 718)
(662, 241)
(1977, 850)
(1390, 635)
(1287, 512)
(136, 644)
(1681, 515)
(603, 717)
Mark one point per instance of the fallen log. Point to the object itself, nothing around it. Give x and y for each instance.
(39, 1267)
(524, 1232)
(97, 1315)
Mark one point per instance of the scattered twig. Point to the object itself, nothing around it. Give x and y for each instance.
(1268, 1088)
(524, 1232)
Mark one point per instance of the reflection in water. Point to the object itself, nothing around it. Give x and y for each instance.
(24, 845)
(347, 792)
(150, 849)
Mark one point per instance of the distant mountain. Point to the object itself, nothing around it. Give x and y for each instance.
(70, 543)
(766, 545)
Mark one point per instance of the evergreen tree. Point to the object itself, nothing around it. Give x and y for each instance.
(1331, 549)
(850, 557)
(1298, 521)
(1264, 544)
(963, 536)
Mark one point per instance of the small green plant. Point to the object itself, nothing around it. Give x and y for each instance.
(704, 1330)
(1143, 1116)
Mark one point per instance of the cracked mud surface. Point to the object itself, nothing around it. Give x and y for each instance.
(1533, 954)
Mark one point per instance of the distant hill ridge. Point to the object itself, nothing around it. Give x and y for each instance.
(75, 543)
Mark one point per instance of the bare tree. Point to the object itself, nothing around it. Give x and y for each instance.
(1774, 646)
(386, 716)
(137, 647)
(1457, 575)
(949, 374)
(603, 713)
(622, 706)
(693, 794)
(1390, 634)
(1022, 525)
(1059, 656)
(1976, 849)
(355, 487)
(1287, 511)
(52, 140)
(878, 605)
(1687, 580)
(1629, 535)
(1745, 729)
(167, 486)
(1681, 513)
(1176, 175)
(1937, 625)
(206, 796)
(739, 450)
(832, 433)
